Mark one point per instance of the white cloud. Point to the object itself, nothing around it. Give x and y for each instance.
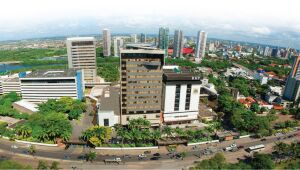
(261, 30)
(257, 17)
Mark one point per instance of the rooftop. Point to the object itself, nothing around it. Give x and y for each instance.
(81, 39)
(180, 74)
(51, 73)
(146, 46)
(143, 51)
(110, 100)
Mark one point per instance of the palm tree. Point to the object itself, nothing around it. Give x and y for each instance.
(156, 134)
(168, 131)
(32, 150)
(91, 156)
(180, 132)
(190, 134)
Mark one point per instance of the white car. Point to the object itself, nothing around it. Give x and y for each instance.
(14, 146)
(142, 156)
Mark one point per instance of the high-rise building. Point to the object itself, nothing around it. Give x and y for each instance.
(266, 52)
(211, 47)
(141, 85)
(118, 44)
(181, 92)
(178, 44)
(82, 55)
(142, 38)
(163, 38)
(200, 47)
(106, 42)
(292, 87)
(40, 86)
(133, 38)
(274, 52)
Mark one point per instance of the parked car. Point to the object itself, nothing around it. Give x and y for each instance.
(147, 152)
(241, 147)
(263, 139)
(155, 158)
(156, 154)
(142, 156)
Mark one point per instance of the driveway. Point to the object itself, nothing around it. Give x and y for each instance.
(83, 123)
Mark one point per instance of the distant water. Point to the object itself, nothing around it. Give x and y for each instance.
(12, 67)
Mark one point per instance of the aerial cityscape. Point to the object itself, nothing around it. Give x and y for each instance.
(137, 85)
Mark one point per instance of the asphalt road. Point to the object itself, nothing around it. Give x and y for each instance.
(196, 152)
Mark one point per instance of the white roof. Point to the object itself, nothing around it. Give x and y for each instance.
(28, 105)
(81, 39)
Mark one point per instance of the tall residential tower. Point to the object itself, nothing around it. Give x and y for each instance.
(118, 44)
(106, 43)
(178, 44)
(292, 87)
(163, 39)
(201, 44)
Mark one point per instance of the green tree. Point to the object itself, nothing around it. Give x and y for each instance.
(255, 107)
(168, 131)
(42, 165)
(54, 165)
(97, 135)
(91, 156)
(32, 150)
(262, 161)
(216, 162)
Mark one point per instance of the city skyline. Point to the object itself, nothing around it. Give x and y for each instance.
(256, 21)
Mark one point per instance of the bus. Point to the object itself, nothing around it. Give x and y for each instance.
(256, 148)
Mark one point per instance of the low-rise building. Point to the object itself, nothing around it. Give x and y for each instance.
(181, 92)
(39, 86)
(11, 84)
(109, 108)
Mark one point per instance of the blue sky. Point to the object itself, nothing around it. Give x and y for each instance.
(275, 22)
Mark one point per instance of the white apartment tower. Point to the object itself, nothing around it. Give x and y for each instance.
(118, 44)
(106, 43)
(133, 38)
(201, 44)
(82, 56)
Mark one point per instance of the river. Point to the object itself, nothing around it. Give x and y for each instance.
(12, 67)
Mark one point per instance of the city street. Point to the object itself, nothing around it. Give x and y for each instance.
(75, 156)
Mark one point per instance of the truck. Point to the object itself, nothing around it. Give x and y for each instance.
(114, 160)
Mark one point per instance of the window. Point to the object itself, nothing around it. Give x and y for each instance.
(127, 118)
(106, 122)
(145, 117)
(188, 97)
(177, 97)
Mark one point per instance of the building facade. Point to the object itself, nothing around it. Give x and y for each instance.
(163, 39)
(133, 38)
(118, 44)
(82, 55)
(143, 38)
(178, 44)
(106, 42)
(11, 84)
(181, 92)
(40, 86)
(141, 85)
(200, 46)
(292, 87)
